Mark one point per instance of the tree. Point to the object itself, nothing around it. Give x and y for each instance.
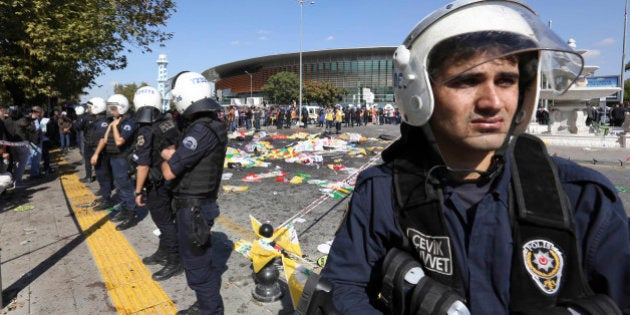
(324, 93)
(128, 90)
(282, 87)
(59, 47)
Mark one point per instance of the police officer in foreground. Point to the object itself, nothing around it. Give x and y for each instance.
(195, 166)
(96, 126)
(154, 134)
(117, 144)
(468, 213)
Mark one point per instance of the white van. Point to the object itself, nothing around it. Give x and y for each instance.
(313, 112)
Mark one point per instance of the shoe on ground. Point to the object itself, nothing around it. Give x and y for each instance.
(86, 180)
(171, 269)
(102, 199)
(157, 258)
(130, 221)
(119, 216)
(100, 206)
(192, 310)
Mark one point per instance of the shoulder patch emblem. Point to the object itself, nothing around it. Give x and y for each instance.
(140, 140)
(190, 143)
(544, 263)
(127, 128)
(104, 124)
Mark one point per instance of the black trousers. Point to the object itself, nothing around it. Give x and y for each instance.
(159, 205)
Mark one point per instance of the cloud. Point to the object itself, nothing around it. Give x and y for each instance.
(592, 54)
(330, 37)
(606, 42)
(262, 34)
(235, 43)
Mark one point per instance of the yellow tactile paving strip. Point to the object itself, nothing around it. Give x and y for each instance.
(126, 278)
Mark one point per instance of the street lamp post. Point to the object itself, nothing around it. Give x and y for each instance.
(301, 2)
(250, 86)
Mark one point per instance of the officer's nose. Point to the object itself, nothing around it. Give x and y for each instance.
(489, 98)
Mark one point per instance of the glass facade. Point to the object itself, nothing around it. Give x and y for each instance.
(351, 69)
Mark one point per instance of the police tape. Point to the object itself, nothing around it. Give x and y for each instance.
(325, 197)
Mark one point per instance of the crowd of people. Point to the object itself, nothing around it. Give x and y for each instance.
(27, 135)
(330, 118)
(614, 116)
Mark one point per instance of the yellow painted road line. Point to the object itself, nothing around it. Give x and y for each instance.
(126, 278)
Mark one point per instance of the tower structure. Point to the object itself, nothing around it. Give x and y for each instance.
(162, 79)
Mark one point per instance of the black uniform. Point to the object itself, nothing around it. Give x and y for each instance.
(120, 170)
(81, 125)
(96, 129)
(198, 165)
(150, 141)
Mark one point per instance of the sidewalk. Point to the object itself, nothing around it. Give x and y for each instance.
(46, 266)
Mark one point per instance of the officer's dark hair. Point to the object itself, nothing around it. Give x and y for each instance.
(458, 49)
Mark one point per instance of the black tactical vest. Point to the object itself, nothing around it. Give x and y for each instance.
(165, 134)
(540, 226)
(91, 136)
(112, 149)
(203, 179)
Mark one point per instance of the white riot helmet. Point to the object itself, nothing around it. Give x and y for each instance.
(496, 28)
(120, 102)
(96, 105)
(147, 96)
(148, 103)
(191, 94)
(79, 110)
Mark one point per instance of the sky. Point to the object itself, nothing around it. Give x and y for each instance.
(208, 33)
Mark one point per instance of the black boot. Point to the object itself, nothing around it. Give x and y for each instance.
(172, 268)
(130, 221)
(157, 258)
(192, 310)
(103, 204)
(120, 216)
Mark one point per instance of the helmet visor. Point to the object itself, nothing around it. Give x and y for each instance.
(546, 53)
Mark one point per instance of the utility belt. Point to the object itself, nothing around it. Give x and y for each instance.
(190, 202)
